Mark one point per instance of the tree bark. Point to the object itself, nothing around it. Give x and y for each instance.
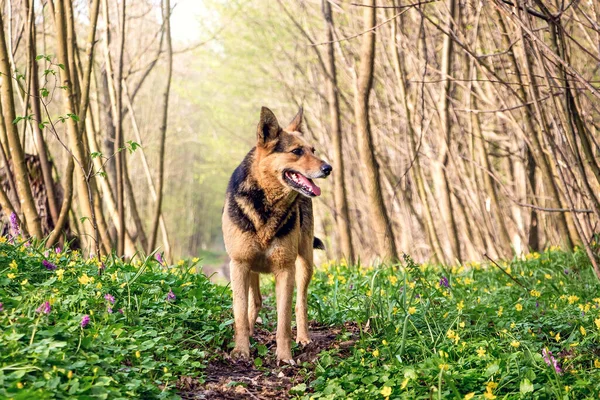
(380, 221)
(342, 216)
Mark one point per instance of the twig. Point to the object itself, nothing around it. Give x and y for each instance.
(506, 273)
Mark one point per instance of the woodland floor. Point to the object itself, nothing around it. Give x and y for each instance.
(229, 379)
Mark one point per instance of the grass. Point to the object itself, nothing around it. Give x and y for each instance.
(464, 332)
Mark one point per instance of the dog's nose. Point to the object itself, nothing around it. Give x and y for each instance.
(326, 169)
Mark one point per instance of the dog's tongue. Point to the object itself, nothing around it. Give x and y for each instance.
(307, 182)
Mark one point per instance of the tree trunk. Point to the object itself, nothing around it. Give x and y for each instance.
(342, 215)
(380, 221)
(14, 144)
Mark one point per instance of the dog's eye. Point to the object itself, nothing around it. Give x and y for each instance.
(314, 150)
(298, 151)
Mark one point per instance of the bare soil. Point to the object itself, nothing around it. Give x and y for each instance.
(233, 379)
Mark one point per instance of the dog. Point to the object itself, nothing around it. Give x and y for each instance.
(268, 227)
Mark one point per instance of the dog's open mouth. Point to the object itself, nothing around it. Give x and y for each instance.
(301, 183)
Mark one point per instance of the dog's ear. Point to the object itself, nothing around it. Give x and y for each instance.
(296, 124)
(268, 128)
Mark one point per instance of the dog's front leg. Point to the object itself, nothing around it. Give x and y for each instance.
(303, 275)
(240, 280)
(284, 291)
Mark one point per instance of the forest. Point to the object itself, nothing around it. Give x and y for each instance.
(460, 222)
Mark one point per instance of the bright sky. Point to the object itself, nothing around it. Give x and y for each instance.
(186, 19)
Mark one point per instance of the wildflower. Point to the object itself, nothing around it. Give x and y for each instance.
(376, 353)
(120, 311)
(462, 324)
(512, 325)
(572, 299)
(515, 344)
(597, 322)
(460, 305)
(195, 260)
(49, 266)
(481, 352)
(500, 310)
(14, 224)
(110, 310)
(404, 383)
(489, 395)
(84, 279)
(444, 282)
(551, 361)
(180, 263)
(535, 293)
(60, 273)
(444, 367)
(85, 321)
(582, 330)
(597, 363)
(70, 375)
(159, 258)
(557, 337)
(19, 384)
(13, 265)
(13, 276)
(386, 391)
(384, 342)
(393, 279)
(519, 307)
(24, 282)
(469, 396)
(57, 250)
(1, 307)
(171, 296)
(45, 308)
(110, 298)
(412, 310)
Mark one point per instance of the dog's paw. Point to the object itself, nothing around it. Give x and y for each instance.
(303, 340)
(289, 361)
(240, 354)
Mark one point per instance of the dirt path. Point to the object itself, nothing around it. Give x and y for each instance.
(228, 379)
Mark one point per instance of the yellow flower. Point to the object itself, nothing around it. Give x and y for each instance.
(13, 276)
(597, 363)
(165, 370)
(412, 310)
(59, 274)
(444, 367)
(13, 265)
(481, 352)
(519, 307)
(515, 344)
(572, 299)
(70, 374)
(582, 330)
(462, 324)
(376, 353)
(19, 385)
(548, 276)
(460, 305)
(3, 239)
(489, 395)
(24, 282)
(138, 354)
(386, 391)
(412, 285)
(85, 279)
(369, 293)
(195, 260)
(557, 337)
(113, 276)
(500, 310)
(122, 285)
(186, 284)
(512, 325)
(469, 396)
(404, 383)
(535, 293)
(99, 285)
(393, 279)
(596, 321)
(384, 342)
(490, 386)
(567, 388)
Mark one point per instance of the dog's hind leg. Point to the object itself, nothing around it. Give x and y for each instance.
(254, 301)
(304, 271)
(240, 282)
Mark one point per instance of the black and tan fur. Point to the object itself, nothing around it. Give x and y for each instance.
(268, 228)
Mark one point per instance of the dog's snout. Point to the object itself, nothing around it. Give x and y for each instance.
(326, 169)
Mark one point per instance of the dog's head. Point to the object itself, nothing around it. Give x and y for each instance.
(286, 157)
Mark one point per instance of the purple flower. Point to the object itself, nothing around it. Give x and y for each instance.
(57, 250)
(1, 307)
(120, 311)
(551, 361)
(171, 296)
(85, 321)
(159, 258)
(49, 266)
(110, 298)
(444, 282)
(14, 224)
(44, 308)
(566, 271)
(110, 310)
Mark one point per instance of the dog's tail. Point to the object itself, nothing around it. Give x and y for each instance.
(318, 244)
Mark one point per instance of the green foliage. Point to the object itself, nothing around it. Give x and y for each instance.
(482, 335)
(134, 347)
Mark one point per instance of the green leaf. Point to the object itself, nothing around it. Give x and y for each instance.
(44, 92)
(526, 386)
(262, 350)
(258, 362)
(298, 389)
(95, 154)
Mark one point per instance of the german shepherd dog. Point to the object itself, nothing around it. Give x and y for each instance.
(268, 228)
